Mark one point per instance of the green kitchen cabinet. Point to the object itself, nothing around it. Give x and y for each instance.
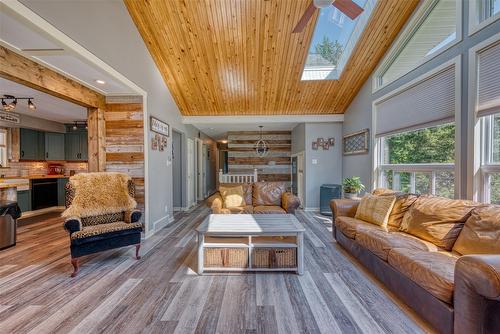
(61, 191)
(31, 145)
(76, 148)
(54, 146)
(24, 200)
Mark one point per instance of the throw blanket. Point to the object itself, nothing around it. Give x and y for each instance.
(99, 193)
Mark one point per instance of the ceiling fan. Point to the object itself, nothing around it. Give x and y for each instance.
(348, 7)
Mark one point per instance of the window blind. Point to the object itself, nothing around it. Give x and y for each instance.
(488, 80)
(429, 102)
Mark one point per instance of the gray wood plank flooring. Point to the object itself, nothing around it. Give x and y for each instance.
(161, 293)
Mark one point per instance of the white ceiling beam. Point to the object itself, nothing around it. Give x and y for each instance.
(262, 119)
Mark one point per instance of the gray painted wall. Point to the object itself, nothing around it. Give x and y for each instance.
(329, 163)
(105, 28)
(29, 122)
(358, 115)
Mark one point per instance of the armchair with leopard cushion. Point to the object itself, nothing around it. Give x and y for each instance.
(101, 214)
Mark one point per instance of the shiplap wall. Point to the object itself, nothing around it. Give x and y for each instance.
(242, 157)
(125, 143)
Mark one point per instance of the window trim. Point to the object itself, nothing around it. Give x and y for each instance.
(404, 37)
(475, 24)
(476, 178)
(378, 147)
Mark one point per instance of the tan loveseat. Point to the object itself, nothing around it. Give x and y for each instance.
(258, 198)
(440, 256)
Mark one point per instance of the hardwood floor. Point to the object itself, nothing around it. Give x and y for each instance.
(161, 293)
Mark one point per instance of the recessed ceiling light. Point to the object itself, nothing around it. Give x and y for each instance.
(100, 82)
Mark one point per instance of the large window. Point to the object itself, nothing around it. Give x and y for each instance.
(435, 27)
(420, 161)
(490, 158)
(482, 13)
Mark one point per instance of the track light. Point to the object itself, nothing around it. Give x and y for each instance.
(31, 105)
(75, 126)
(13, 104)
(4, 105)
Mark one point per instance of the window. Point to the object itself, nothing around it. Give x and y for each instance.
(482, 13)
(333, 41)
(490, 159)
(419, 161)
(434, 27)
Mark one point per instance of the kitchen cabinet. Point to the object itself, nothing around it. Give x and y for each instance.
(61, 191)
(24, 200)
(32, 144)
(76, 147)
(54, 146)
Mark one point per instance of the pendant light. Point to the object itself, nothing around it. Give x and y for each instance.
(261, 147)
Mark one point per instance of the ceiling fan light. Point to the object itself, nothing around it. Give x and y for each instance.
(322, 3)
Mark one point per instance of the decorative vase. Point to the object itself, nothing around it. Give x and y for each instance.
(350, 195)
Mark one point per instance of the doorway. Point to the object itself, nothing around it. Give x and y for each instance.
(190, 173)
(298, 176)
(177, 169)
(200, 173)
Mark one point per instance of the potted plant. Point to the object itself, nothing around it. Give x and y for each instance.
(352, 186)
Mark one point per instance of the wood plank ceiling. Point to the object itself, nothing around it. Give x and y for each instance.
(239, 57)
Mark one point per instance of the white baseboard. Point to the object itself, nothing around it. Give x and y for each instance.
(158, 225)
(311, 209)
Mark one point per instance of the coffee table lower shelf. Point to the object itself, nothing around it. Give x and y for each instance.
(250, 253)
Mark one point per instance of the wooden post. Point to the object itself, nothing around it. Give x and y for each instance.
(96, 140)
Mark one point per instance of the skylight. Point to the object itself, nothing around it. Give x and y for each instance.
(333, 41)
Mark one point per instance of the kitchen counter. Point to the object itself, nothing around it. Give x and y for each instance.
(31, 177)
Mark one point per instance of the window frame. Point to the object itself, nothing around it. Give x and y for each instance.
(477, 171)
(478, 21)
(488, 167)
(378, 146)
(405, 36)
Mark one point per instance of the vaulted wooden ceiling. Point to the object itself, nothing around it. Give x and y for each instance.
(239, 57)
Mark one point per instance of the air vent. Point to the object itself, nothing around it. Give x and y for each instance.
(124, 99)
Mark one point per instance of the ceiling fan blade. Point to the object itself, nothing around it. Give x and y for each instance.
(305, 18)
(348, 7)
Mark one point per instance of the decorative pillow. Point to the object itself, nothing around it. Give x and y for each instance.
(382, 191)
(375, 209)
(232, 196)
(481, 232)
(437, 219)
(268, 193)
(402, 204)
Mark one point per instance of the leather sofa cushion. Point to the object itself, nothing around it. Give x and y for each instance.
(247, 190)
(350, 226)
(380, 242)
(268, 193)
(375, 209)
(232, 196)
(246, 209)
(402, 204)
(481, 232)
(433, 271)
(268, 209)
(437, 219)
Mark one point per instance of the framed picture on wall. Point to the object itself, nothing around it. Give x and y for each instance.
(158, 126)
(356, 143)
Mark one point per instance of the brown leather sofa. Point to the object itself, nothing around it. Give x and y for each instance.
(453, 288)
(260, 198)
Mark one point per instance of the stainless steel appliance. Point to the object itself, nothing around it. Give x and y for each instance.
(9, 212)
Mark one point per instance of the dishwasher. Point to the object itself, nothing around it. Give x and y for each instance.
(43, 193)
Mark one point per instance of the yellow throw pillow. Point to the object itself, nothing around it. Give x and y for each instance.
(375, 209)
(232, 197)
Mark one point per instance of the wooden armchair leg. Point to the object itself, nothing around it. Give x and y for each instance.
(76, 266)
(137, 248)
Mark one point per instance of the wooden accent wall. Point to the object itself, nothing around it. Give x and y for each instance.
(242, 158)
(124, 145)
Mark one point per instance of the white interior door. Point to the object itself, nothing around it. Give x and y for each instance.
(199, 169)
(190, 173)
(300, 177)
(204, 170)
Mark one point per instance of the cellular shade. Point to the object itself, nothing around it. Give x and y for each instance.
(488, 81)
(429, 102)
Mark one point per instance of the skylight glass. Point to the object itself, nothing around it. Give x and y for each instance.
(333, 41)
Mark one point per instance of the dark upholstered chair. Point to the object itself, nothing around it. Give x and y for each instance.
(92, 234)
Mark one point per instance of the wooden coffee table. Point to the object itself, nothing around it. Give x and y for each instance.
(243, 242)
